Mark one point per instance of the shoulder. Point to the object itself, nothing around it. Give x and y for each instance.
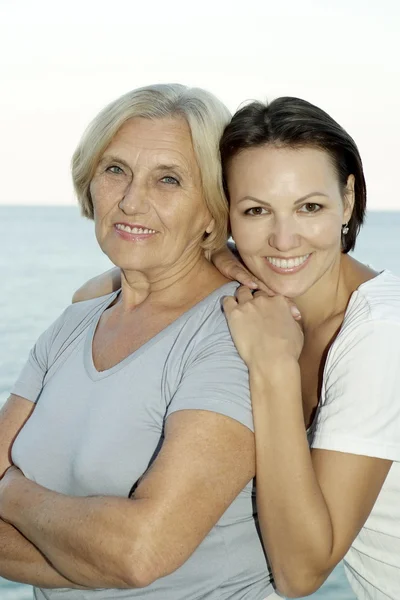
(205, 370)
(373, 313)
(75, 318)
(359, 410)
(206, 319)
(376, 300)
(367, 345)
(84, 308)
(210, 312)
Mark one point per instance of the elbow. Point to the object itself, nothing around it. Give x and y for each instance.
(298, 584)
(143, 565)
(136, 576)
(137, 570)
(297, 589)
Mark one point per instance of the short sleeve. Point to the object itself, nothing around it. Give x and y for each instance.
(215, 379)
(30, 382)
(360, 403)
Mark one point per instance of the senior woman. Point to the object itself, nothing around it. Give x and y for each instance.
(130, 428)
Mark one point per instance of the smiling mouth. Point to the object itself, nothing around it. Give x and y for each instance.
(288, 264)
(137, 230)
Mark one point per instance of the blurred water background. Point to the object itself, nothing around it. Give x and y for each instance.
(48, 252)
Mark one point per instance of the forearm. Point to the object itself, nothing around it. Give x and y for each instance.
(103, 284)
(22, 562)
(88, 540)
(294, 518)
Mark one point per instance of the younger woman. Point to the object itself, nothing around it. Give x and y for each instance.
(297, 197)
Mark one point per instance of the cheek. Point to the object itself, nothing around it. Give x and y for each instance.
(106, 194)
(189, 213)
(249, 234)
(98, 196)
(324, 232)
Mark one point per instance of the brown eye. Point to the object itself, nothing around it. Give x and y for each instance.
(256, 211)
(311, 207)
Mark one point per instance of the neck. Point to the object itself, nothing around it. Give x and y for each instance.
(172, 287)
(329, 296)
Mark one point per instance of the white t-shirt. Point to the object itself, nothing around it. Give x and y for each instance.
(359, 413)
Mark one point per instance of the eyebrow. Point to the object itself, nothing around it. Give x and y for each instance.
(299, 201)
(111, 158)
(163, 167)
(171, 167)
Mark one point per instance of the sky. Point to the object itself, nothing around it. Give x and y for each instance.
(61, 62)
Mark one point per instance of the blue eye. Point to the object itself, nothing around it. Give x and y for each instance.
(170, 180)
(115, 169)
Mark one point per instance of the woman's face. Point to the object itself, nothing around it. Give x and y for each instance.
(149, 208)
(286, 215)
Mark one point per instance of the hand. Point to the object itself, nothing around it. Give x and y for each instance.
(230, 266)
(263, 328)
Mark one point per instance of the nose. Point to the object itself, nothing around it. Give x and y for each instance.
(135, 199)
(284, 235)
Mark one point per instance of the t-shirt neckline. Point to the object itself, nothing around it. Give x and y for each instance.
(96, 375)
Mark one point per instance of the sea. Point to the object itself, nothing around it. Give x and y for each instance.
(48, 252)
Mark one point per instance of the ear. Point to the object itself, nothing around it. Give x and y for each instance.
(210, 226)
(349, 199)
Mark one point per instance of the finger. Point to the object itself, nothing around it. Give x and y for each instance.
(264, 288)
(245, 278)
(243, 294)
(229, 303)
(296, 314)
(262, 294)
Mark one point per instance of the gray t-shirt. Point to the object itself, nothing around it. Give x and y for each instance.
(95, 433)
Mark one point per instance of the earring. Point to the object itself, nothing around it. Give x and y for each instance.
(345, 229)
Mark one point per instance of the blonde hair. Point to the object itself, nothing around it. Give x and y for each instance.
(206, 116)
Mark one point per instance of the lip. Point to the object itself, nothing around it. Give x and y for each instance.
(128, 236)
(290, 271)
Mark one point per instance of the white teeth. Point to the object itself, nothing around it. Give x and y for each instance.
(287, 263)
(134, 229)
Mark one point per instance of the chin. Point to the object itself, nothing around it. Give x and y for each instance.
(283, 286)
(291, 292)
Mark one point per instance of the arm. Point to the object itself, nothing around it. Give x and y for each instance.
(322, 499)
(103, 284)
(208, 457)
(19, 559)
(311, 507)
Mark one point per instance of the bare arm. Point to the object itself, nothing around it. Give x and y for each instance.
(208, 457)
(103, 284)
(319, 501)
(19, 559)
(311, 506)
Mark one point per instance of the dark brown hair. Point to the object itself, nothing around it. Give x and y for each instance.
(293, 122)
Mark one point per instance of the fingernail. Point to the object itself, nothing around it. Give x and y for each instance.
(295, 312)
(253, 284)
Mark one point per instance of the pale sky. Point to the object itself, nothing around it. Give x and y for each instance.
(62, 61)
